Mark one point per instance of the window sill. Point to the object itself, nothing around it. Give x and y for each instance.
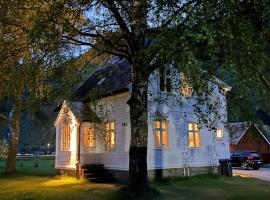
(219, 139)
(194, 148)
(62, 150)
(89, 148)
(109, 150)
(161, 148)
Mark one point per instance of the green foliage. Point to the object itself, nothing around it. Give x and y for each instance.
(226, 39)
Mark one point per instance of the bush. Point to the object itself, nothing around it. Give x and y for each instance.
(3, 149)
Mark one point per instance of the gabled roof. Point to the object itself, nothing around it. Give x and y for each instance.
(111, 79)
(81, 111)
(238, 130)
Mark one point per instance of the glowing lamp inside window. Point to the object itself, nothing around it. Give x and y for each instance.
(219, 133)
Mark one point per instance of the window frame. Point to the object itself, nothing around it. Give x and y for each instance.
(65, 143)
(164, 78)
(161, 130)
(194, 131)
(90, 126)
(222, 133)
(110, 131)
(185, 88)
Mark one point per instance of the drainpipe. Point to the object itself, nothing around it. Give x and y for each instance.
(78, 165)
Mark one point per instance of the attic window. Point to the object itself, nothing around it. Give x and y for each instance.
(165, 82)
(186, 89)
(101, 81)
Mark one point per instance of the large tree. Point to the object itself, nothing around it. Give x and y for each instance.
(29, 76)
(122, 28)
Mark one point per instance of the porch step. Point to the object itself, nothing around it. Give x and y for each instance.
(97, 173)
(102, 180)
(92, 166)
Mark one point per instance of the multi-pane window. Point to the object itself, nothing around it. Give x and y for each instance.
(193, 135)
(219, 133)
(65, 146)
(110, 135)
(165, 81)
(161, 133)
(89, 136)
(186, 89)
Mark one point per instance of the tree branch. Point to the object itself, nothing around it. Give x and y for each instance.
(3, 116)
(181, 8)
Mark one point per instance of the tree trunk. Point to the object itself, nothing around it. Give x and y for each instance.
(138, 179)
(15, 127)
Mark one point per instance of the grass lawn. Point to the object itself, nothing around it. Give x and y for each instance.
(33, 165)
(40, 183)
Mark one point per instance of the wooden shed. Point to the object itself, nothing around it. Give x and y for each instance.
(247, 136)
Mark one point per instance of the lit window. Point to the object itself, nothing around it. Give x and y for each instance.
(165, 82)
(110, 135)
(193, 135)
(65, 146)
(161, 133)
(89, 136)
(219, 133)
(186, 90)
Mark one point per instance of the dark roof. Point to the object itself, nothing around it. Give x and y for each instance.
(83, 112)
(238, 130)
(111, 79)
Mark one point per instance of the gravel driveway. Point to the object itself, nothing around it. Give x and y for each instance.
(262, 173)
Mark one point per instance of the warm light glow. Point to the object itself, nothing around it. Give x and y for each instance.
(65, 145)
(190, 126)
(63, 180)
(89, 136)
(186, 89)
(73, 141)
(219, 133)
(193, 135)
(161, 134)
(110, 135)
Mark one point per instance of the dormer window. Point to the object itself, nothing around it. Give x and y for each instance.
(165, 80)
(186, 89)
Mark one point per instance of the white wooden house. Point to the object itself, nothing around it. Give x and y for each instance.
(95, 128)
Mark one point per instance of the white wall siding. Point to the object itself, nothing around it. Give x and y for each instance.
(66, 158)
(117, 110)
(176, 155)
(179, 111)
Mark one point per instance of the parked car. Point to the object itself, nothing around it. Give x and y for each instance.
(246, 159)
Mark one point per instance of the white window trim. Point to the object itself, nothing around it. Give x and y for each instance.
(109, 148)
(61, 133)
(161, 132)
(187, 86)
(222, 134)
(95, 138)
(165, 80)
(200, 144)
